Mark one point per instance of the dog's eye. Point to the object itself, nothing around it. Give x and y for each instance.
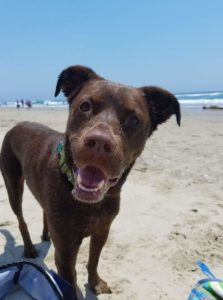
(134, 121)
(86, 106)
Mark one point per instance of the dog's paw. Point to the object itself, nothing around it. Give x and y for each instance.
(101, 287)
(30, 252)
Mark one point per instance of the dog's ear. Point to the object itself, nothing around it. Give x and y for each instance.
(72, 79)
(162, 105)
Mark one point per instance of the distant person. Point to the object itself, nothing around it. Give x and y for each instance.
(22, 102)
(17, 104)
(28, 103)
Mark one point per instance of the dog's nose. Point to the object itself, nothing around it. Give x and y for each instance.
(99, 143)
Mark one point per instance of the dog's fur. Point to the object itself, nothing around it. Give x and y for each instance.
(107, 129)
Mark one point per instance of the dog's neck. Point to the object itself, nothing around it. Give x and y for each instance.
(64, 169)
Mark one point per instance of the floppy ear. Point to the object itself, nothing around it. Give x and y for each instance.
(72, 79)
(162, 105)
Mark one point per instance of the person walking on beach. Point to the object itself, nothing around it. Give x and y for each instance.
(17, 104)
(28, 103)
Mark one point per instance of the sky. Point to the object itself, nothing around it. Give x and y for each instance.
(175, 44)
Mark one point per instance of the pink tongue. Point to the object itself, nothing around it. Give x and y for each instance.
(91, 176)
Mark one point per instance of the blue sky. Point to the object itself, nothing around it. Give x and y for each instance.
(174, 44)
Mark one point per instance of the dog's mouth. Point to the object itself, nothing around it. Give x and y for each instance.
(91, 184)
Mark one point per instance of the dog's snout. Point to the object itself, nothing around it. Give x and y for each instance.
(99, 142)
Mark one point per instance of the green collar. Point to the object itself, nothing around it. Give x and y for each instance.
(62, 162)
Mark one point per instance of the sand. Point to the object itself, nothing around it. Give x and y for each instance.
(171, 211)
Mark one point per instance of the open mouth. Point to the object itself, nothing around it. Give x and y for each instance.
(91, 184)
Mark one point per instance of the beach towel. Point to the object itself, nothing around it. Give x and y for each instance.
(27, 281)
(210, 288)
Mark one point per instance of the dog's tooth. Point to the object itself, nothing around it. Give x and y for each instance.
(79, 179)
(83, 188)
(100, 186)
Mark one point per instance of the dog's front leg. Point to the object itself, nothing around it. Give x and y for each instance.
(97, 242)
(65, 259)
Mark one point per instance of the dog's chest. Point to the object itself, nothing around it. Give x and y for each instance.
(93, 221)
(93, 225)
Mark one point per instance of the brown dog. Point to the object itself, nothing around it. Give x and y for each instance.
(77, 176)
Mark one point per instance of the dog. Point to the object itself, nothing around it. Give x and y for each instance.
(77, 176)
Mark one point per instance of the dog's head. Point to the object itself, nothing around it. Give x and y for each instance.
(107, 128)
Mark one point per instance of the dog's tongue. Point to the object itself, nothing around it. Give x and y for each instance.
(91, 176)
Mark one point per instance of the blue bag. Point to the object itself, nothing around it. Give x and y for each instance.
(26, 280)
(210, 288)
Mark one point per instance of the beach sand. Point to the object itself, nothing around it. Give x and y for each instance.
(171, 211)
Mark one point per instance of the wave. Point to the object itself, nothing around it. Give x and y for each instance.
(202, 101)
(194, 95)
(38, 103)
(203, 98)
(206, 98)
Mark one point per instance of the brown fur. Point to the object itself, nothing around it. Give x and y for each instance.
(107, 128)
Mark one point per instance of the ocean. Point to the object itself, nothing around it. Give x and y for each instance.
(189, 100)
(200, 99)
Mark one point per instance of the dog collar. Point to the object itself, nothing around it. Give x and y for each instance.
(64, 169)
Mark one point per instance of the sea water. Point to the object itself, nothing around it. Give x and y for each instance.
(201, 99)
(188, 100)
